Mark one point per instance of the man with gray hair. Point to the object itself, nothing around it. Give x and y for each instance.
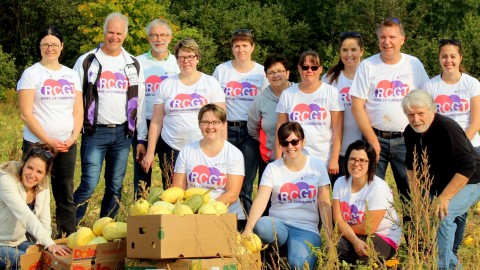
(454, 166)
(113, 95)
(158, 65)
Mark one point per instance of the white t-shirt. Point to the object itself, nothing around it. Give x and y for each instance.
(383, 86)
(313, 113)
(453, 100)
(376, 196)
(351, 132)
(240, 88)
(155, 73)
(182, 104)
(206, 172)
(54, 100)
(294, 194)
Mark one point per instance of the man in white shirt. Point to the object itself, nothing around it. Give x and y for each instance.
(380, 83)
(113, 92)
(158, 65)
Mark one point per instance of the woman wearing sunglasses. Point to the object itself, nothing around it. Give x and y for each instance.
(242, 80)
(25, 205)
(359, 196)
(341, 76)
(176, 107)
(51, 107)
(213, 162)
(299, 189)
(316, 106)
(457, 95)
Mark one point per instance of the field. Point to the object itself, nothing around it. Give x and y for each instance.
(409, 257)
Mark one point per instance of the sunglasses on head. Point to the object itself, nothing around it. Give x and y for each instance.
(40, 151)
(350, 34)
(293, 142)
(452, 41)
(243, 32)
(305, 67)
(394, 20)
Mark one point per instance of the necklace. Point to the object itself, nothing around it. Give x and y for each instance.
(47, 70)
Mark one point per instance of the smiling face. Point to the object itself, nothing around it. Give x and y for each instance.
(358, 164)
(50, 48)
(33, 173)
(350, 52)
(450, 58)
(159, 37)
(277, 75)
(187, 66)
(242, 50)
(420, 118)
(390, 41)
(292, 151)
(114, 37)
(211, 126)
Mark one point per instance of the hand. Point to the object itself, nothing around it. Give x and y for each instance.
(442, 208)
(61, 250)
(333, 167)
(69, 142)
(147, 162)
(141, 151)
(360, 247)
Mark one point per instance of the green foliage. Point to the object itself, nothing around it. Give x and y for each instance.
(8, 73)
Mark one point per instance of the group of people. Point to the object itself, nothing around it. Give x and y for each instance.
(339, 132)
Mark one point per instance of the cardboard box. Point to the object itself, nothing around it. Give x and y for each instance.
(108, 256)
(244, 262)
(32, 259)
(173, 236)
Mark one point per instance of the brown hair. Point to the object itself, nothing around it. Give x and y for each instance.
(288, 128)
(371, 154)
(45, 153)
(218, 111)
(189, 45)
(242, 35)
(314, 57)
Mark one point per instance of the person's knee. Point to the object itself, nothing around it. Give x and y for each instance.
(265, 229)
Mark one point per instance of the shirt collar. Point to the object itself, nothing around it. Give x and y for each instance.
(150, 56)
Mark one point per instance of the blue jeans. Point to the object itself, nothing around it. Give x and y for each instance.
(250, 149)
(270, 229)
(459, 204)
(113, 146)
(10, 256)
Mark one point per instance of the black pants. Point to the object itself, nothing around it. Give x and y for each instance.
(347, 253)
(166, 157)
(63, 170)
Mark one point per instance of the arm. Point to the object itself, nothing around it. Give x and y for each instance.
(232, 189)
(225, 129)
(282, 118)
(363, 122)
(254, 118)
(454, 186)
(337, 136)
(474, 126)
(325, 208)
(77, 119)
(375, 217)
(141, 125)
(347, 232)
(258, 206)
(180, 180)
(153, 133)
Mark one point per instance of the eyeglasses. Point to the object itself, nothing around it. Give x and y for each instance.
(188, 57)
(452, 41)
(293, 142)
(48, 45)
(207, 123)
(350, 34)
(159, 35)
(40, 151)
(305, 67)
(243, 32)
(275, 73)
(361, 161)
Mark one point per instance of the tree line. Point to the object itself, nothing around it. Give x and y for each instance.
(279, 26)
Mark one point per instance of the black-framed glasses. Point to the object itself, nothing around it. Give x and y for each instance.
(360, 161)
(40, 151)
(293, 142)
(159, 35)
(350, 34)
(275, 73)
(188, 57)
(243, 32)
(207, 123)
(452, 41)
(305, 67)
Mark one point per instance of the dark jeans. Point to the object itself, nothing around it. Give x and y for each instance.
(166, 157)
(62, 175)
(249, 147)
(347, 253)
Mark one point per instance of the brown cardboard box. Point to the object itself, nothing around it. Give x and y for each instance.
(108, 256)
(32, 259)
(244, 262)
(173, 236)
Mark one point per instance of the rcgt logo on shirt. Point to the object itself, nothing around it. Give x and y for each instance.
(308, 112)
(345, 97)
(112, 83)
(207, 176)
(245, 89)
(452, 103)
(300, 192)
(186, 101)
(54, 90)
(152, 84)
(351, 214)
(391, 90)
